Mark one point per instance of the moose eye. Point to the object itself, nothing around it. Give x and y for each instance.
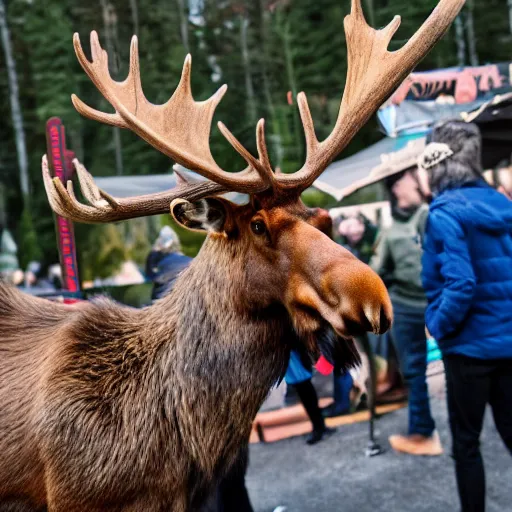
(258, 227)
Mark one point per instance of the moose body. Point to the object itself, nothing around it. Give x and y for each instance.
(106, 408)
(109, 408)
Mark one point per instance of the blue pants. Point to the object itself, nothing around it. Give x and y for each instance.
(409, 337)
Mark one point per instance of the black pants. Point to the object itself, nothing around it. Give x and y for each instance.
(471, 385)
(232, 494)
(309, 399)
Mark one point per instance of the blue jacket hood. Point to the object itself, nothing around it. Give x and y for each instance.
(478, 205)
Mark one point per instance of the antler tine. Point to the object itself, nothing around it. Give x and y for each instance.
(105, 208)
(261, 164)
(179, 128)
(53, 198)
(373, 74)
(90, 190)
(264, 159)
(181, 178)
(98, 72)
(62, 201)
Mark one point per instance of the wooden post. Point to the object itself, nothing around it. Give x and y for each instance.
(60, 164)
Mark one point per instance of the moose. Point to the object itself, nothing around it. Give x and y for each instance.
(108, 408)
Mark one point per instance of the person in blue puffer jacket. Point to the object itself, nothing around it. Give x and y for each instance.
(467, 277)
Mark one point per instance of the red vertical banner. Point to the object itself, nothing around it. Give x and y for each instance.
(60, 163)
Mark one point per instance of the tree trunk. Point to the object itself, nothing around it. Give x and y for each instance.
(461, 43)
(275, 135)
(17, 118)
(77, 141)
(290, 72)
(249, 88)
(509, 4)
(264, 60)
(184, 25)
(3, 208)
(110, 22)
(470, 31)
(135, 16)
(118, 147)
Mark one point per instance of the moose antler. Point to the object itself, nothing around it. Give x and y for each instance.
(103, 207)
(373, 74)
(181, 127)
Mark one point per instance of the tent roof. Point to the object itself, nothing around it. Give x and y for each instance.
(341, 175)
(431, 96)
(125, 186)
(493, 116)
(462, 84)
(418, 116)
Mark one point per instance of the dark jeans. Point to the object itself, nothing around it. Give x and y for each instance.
(231, 494)
(471, 385)
(411, 345)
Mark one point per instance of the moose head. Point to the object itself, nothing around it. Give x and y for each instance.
(270, 249)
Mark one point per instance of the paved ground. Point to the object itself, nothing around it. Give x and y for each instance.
(336, 476)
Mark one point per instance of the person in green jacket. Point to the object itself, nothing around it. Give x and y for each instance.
(397, 260)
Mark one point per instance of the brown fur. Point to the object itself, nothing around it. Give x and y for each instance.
(109, 408)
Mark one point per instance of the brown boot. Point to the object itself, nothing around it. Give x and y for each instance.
(416, 444)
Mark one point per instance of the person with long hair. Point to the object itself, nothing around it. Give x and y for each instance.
(467, 276)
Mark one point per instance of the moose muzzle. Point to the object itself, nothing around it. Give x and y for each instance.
(328, 281)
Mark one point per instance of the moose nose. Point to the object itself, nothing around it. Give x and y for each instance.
(363, 299)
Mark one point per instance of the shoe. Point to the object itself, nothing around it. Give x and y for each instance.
(416, 444)
(318, 435)
(333, 410)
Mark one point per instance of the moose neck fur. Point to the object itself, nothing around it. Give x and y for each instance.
(226, 354)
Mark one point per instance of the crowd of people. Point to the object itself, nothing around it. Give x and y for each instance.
(447, 260)
(34, 276)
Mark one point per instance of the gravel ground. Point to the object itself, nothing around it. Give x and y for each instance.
(335, 475)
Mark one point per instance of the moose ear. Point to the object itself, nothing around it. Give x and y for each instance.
(209, 214)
